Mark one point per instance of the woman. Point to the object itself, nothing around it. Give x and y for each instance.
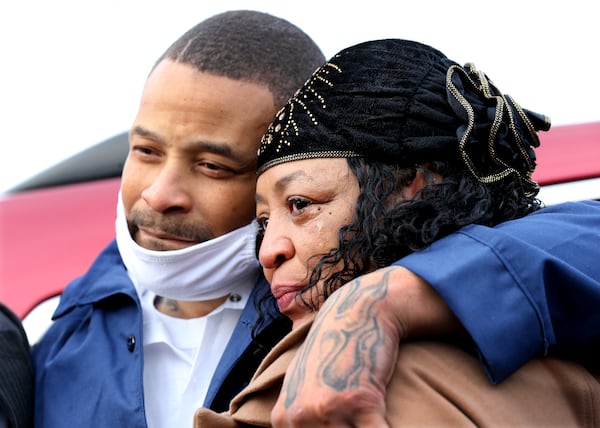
(388, 148)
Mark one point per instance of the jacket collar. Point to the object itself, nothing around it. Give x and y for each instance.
(106, 277)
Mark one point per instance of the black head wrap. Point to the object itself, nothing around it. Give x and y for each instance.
(404, 103)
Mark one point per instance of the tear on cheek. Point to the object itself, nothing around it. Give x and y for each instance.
(316, 229)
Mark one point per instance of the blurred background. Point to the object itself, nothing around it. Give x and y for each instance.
(72, 72)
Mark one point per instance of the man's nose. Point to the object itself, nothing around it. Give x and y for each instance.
(169, 190)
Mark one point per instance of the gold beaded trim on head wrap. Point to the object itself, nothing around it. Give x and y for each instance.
(506, 114)
(285, 126)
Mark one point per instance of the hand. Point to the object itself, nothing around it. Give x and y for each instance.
(339, 376)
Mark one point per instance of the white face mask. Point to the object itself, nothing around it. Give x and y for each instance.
(204, 271)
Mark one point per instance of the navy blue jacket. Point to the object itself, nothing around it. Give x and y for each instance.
(89, 365)
(525, 288)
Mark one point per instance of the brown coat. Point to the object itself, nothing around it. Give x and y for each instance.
(439, 385)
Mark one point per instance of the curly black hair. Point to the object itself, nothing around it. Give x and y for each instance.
(386, 228)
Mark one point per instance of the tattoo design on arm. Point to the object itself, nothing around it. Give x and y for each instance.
(347, 336)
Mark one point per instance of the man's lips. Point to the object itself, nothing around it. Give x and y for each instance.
(157, 234)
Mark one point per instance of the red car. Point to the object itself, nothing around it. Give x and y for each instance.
(53, 225)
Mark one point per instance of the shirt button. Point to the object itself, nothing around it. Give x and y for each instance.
(131, 343)
(235, 298)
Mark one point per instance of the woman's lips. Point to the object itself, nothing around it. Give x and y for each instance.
(285, 295)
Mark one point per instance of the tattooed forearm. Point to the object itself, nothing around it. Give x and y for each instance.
(348, 337)
(361, 338)
(298, 375)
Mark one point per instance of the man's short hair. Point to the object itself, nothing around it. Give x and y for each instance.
(251, 46)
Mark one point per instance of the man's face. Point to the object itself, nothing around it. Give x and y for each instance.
(190, 173)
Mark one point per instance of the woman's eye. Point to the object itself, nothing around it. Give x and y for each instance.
(296, 204)
(262, 223)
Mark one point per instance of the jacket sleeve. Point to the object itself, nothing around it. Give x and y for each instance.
(525, 288)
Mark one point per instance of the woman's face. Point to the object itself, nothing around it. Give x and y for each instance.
(301, 205)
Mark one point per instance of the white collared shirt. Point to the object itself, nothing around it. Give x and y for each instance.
(180, 358)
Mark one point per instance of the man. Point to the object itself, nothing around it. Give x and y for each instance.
(143, 338)
(16, 374)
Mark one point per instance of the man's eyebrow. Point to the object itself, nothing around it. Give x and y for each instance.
(222, 149)
(245, 161)
(213, 147)
(146, 133)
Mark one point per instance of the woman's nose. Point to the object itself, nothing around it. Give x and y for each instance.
(276, 247)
